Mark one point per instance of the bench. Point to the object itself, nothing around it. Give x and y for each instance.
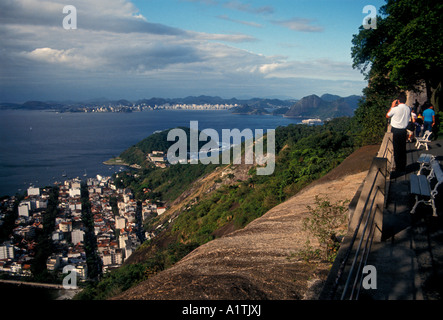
(420, 186)
(425, 162)
(423, 141)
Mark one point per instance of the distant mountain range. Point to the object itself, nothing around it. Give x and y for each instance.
(326, 106)
(56, 105)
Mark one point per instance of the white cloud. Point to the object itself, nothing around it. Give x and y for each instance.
(243, 22)
(268, 68)
(299, 24)
(235, 38)
(117, 49)
(246, 7)
(237, 5)
(67, 57)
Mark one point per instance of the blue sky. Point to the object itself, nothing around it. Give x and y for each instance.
(175, 48)
(330, 23)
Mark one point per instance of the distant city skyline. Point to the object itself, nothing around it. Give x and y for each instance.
(177, 48)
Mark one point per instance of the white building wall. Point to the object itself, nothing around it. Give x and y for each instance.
(6, 252)
(33, 191)
(23, 210)
(77, 236)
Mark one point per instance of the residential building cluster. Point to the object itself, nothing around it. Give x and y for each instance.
(115, 233)
(193, 106)
(19, 249)
(112, 108)
(117, 226)
(144, 107)
(158, 158)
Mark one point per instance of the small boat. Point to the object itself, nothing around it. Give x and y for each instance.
(85, 174)
(64, 174)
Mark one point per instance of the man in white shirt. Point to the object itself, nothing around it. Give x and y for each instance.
(400, 116)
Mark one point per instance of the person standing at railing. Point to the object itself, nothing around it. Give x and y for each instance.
(399, 113)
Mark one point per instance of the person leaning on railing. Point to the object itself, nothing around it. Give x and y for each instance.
(399, 113)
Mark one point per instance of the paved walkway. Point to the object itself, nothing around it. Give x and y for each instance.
(409, 261)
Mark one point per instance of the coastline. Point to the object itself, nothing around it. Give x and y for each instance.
(45, 291)
(117, 161)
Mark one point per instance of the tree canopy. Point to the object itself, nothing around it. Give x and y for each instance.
(406, 46)
(402, 52)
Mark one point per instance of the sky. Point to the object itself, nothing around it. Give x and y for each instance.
(123, 49)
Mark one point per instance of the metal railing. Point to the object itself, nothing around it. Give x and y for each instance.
(365, 226)
(366, 229)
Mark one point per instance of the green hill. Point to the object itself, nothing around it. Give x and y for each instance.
(205, 202)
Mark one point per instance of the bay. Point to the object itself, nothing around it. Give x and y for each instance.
(40, 147)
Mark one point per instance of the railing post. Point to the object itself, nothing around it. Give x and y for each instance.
(380, 196)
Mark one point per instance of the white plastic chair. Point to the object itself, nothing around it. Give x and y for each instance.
(423, 141)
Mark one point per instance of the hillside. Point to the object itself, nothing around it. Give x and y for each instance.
(246, 109)
(257, 261)
(204, 203)
(327, 107)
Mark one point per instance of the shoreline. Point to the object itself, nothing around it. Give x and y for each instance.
(52, 291)
(33, 284)
(117, 161)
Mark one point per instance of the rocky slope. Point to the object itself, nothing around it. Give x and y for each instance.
(257, 261)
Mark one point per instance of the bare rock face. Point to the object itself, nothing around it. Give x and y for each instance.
(256, 262)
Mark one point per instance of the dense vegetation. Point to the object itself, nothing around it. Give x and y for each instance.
(306, 154)
(402, 53)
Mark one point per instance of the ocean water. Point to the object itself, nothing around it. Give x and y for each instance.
(40, 147)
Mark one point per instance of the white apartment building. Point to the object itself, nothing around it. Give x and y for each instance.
(7, 251)
(122, 240)
(74, 192)
(77, 236)
(23, 210)
(112, 257)
(82, 271)
(65, 226)
(120, 222)
(75, 185)
(33, 191)
(53, 263)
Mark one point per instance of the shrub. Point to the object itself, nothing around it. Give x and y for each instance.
(324, 224)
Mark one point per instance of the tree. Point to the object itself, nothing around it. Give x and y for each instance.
(406, 47)
(416, 52)
(404, 50)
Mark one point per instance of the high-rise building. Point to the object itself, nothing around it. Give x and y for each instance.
(77, 236)
(6, 251)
